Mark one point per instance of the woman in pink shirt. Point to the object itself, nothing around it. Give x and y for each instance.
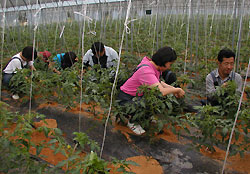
(148, 73)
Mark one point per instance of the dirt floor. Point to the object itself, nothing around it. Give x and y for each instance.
(167, 155)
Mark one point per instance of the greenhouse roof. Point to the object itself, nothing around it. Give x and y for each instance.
(14, 5)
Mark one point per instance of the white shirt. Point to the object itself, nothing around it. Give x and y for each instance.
(16, 64)
(110, 53)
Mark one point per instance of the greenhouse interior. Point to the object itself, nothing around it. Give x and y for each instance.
(125, 86)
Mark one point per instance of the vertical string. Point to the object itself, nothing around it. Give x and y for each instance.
(186, 51)
(211, 26)
(1, 63)
(80, 109)
(116, 74)
(239, 37)
(34, 45)
(236, 118)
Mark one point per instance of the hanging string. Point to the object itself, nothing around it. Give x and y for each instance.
(239, 37)
(156, 22)
(1, 63)
(62, 32)
(236, 118)
(230, 25)
(57, 23)
(80, 109)
(116, 75)
(211, 27)
(186, 51)
(32, 71)
(205, 47)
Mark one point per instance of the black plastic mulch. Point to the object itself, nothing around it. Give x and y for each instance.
(173, 157)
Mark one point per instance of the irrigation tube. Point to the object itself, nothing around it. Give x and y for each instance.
(116, 74)
(1, 63)
(236, 117)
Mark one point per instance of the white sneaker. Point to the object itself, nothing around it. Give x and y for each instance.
(15, 96)
(137, 129)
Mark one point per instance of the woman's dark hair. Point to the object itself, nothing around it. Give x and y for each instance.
(97, 47)
(164, 55)
(68, 60)
(225, 53)
(28, 53)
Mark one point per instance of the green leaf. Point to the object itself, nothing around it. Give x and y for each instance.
(241, 154)
(169, 106)
(224, 131)
(52, 141)
(62, 163)
(237, 134)
(245, 130)
(58, 131)
(46, 131)
(38, 149)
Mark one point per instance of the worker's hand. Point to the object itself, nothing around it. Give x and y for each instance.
(55, 70)
(224, 85)
(32, 68)
(179, 93)
(45, 60)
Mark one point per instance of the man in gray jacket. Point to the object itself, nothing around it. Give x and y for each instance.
(223, 74)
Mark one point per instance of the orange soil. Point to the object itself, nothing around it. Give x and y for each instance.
(147, 165)
(37, 137)
(234, 163)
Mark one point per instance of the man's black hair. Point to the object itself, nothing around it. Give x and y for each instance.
(169, 77)
(68, 60)
(28, 53)
(225, 53)
(97, 47)
(164, 55)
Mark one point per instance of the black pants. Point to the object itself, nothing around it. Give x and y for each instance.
(6, 79)
(211, 101)
(125, 99)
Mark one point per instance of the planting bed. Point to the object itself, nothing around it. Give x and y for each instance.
(166, 154)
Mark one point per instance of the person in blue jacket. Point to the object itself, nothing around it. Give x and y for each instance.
(64, 60)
